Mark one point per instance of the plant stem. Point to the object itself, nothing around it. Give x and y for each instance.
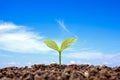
(59, 58)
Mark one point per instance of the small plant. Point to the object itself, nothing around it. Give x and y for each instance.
(66, 43)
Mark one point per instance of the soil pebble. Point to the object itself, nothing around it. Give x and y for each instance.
(64, 72)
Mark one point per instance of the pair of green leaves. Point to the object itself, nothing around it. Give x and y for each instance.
(66, 43)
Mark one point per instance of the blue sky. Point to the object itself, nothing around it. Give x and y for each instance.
(24, 25)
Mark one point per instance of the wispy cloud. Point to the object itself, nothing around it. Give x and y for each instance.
(62, 25)
(87, 55)
(12, 63)
(16, 38)
(94, 58)
(4, 55)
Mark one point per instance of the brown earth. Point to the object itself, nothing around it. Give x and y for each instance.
(65, 72)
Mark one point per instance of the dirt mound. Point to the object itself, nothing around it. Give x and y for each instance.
(65, 72)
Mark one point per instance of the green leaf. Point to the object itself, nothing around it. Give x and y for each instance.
(51, 44)
(66, 43)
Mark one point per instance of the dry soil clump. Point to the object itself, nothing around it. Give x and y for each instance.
(65, 72)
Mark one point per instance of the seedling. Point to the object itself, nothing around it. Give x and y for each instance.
(66, 43)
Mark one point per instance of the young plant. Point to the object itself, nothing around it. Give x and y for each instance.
(66, 43)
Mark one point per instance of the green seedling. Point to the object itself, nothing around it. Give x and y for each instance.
(66, 43)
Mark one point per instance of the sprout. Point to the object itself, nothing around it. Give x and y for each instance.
(66, 43)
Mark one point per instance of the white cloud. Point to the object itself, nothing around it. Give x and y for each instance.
(114, 60)
(85, 55)
(95, 58)
(29, 63)
(17, 38)
(72, 62)
(4, 27)
(12, 63)
(62, 25)
(4, 55)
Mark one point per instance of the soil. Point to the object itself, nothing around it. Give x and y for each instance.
(65, 72)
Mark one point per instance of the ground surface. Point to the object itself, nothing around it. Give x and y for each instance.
(65, 72)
